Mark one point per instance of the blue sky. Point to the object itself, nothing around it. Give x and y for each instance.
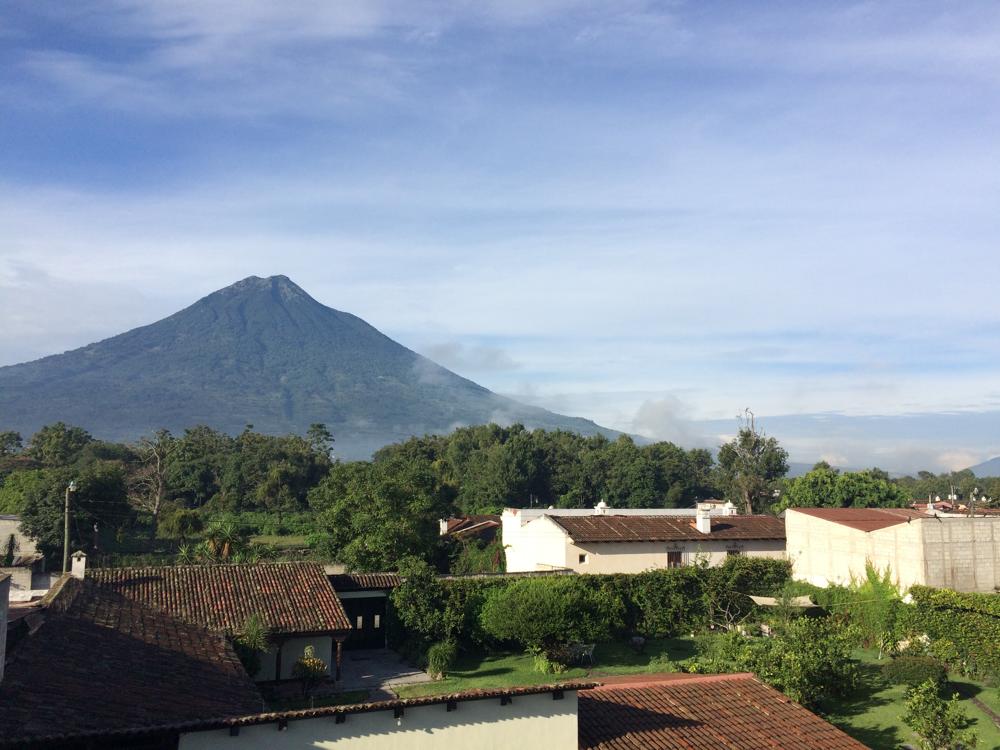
(651, 214)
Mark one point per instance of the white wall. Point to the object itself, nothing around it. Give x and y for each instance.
(636, 557)
(541, 544)
(538, 545)
(529, 722)
(12, 525)
(959, 553)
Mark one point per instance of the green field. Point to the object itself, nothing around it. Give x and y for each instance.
(874, 713)
(510, 670)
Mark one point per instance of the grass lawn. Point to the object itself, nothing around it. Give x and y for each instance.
(279, 541)
(510, 670)
(874, 714)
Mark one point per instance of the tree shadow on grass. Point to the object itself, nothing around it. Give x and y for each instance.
(480, 672)
(865, 697)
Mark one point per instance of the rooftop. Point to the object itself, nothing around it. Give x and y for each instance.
(120, 665)
(292, 597)
(700, 712)
(608, 528)
(864, 519)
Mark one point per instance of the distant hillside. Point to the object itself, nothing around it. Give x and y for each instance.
(989, 468)
(259, 352)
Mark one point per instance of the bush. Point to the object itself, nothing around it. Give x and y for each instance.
(440, 659)
(970, 622)
(939, 724)
(251, 643)
(544, 614)
(913, 670)
(309, 670)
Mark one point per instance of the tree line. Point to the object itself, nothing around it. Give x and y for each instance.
(166, 491)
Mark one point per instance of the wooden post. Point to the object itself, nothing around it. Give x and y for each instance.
(340, 650)
(277, 662)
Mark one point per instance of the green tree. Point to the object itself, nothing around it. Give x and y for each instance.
(100, 501)
(544, 615)
(309, 670)
(251, 643)
(750, 465)
(320, 439)
(938, 724)
(18, 486)
(373, 515)
(10, 443)
(58, 444)
(826, 487)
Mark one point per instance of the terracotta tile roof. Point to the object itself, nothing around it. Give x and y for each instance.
(863, 519)
(697, 712)
(611, 528)
(102, 662)
(364, 581)
(291, 597)
(472, 525)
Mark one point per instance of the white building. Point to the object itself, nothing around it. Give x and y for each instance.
(832, 546)
(605, 540)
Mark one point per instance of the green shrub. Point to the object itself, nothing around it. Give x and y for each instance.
(440, 659)
(913, 670)
(971, 622)
(544, 614)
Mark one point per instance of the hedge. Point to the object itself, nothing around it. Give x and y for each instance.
(970, 621)
(657, 603)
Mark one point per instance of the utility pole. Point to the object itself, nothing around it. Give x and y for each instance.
(71, 487)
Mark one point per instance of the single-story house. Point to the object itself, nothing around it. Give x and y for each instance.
(101, 663)
(480, 526)
(612, 541)
(295, 600)
(668, 711)
(833, 545)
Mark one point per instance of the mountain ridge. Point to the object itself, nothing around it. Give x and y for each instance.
(261, 351)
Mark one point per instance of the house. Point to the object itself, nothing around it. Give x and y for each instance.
(294, 599)
(832, 546)
(617, 541)
(21, 560)
(100, 662)
(667, 711)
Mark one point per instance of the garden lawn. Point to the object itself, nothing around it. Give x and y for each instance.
(512, 670)
(874, 714)
(282, 541)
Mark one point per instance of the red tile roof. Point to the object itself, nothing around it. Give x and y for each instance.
(611, 528)
(863, 519)
(291, 597)
(101, 662)
(697, 712)
(364, 581)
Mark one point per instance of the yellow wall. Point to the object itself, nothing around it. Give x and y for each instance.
(529, 722)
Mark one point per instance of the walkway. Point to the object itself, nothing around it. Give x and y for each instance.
(378, 671)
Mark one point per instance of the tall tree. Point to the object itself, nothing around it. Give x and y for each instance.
(58, 444)
(750, 465)
(148, 485)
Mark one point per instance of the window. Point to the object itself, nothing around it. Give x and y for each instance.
(378, 619)
(583, 558)
(674, 558)
(733, 553)
(361, 622)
